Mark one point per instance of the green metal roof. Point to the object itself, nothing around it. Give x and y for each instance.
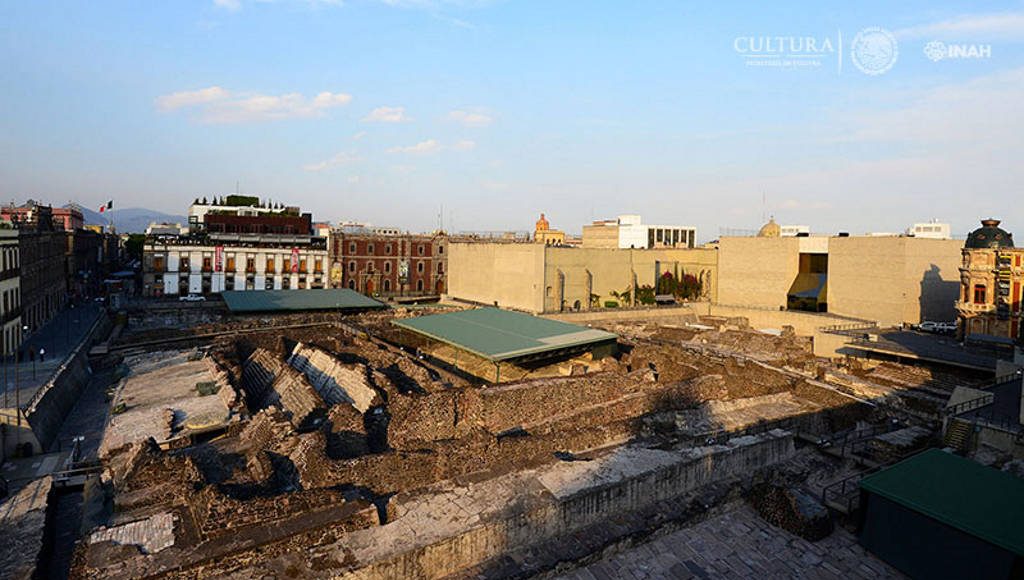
(979, 500)
(497, 335)
(290, 300)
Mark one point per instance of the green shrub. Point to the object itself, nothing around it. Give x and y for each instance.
(206, 388)
(611, 304)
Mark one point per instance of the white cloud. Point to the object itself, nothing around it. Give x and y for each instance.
(470, 118)
(190, 98)
(422, 148)
(387, 115)
(236, 5)
(359, 135)
(342, 158)
(353, 179)
(218, 105)
(431, 146)
(971, 27)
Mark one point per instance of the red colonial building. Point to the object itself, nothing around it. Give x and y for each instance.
(389, 265)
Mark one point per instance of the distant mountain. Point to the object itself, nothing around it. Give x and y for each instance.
(130, 220)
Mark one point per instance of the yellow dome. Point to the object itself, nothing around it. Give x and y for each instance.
(770, 230)
(542, 224)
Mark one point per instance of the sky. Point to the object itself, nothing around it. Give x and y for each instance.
(480, 115)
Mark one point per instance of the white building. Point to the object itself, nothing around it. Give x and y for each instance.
(629, 231)
(793, 231)
(235, 262)
(933, 230)
(197, 211)
(165, 229)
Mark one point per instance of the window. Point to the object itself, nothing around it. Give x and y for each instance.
(183, 264)
(369, 249)
(287, 265)
(270, 265)
(440, 267)
(440, 249)
(318, 266)
(419, 267)
(387, 267)
(351, 284)
(387, 249)
(250, 264)
(207, 264)
(420, 249)
(369, 267)
(231, 264)
(352, 247)
(352, 267)
(387, 285)
(419, 285)
(979, 293)
(303, 265)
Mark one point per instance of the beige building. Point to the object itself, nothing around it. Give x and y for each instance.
(891, 279)
(629, 231)
(540, 278)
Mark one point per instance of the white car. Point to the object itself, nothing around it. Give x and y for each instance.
(928, 326)
(192, 298)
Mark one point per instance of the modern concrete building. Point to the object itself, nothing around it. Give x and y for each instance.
(538, 278)
(892, 279)
(629, 231)
(932, 229)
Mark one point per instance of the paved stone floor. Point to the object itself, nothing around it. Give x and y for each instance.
(739, 544)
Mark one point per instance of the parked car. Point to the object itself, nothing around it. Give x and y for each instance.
(947, 327)
(937, 327)
(928, 326)
(192, 298)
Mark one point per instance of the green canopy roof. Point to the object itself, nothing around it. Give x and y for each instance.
(497, 335)
(981, 501)
(293, 300)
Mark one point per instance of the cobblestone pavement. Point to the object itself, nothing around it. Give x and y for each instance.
(739, 544)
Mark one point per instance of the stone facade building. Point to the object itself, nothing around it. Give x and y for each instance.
(629, 231)
(236, 247)
(389, 265)
(10, 291)
(991, 282)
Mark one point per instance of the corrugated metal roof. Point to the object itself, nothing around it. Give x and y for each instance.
(958, 492)
(291, 300)
(502, 334)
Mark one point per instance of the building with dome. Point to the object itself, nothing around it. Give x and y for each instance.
(991, 281)
(543, 234)
(770, 230)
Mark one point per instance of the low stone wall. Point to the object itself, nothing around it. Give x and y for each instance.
(569, 496)
(648, 313)
(53, 401)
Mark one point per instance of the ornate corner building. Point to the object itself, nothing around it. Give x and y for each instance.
(991, 281)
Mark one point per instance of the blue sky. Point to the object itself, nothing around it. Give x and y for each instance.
(385, 111)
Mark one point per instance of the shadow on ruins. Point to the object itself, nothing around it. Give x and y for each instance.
(352, 451)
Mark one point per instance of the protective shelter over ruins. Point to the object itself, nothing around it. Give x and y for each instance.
(503, 335)
(299, 300)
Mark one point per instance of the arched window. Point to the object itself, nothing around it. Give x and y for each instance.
(387, 267)
(352, 247)
(387, 285)
(352, 266)
(369, 249)
(419, 285)
(419, 267)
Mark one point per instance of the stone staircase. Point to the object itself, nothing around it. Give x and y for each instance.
(259, 372)
(294, 395)
(336, 382)
(958, 434)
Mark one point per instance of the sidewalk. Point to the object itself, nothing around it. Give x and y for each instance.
(58, 337)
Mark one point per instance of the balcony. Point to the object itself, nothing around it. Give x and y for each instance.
(974, 308)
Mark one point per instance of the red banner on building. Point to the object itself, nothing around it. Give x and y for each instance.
(218, 259)
(295, 260)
